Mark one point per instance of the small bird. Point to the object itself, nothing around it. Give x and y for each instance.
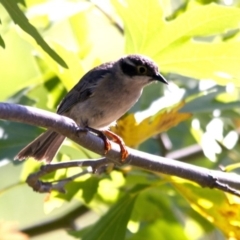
(101, 97)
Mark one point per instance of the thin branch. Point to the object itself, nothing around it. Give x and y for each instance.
(108, 15)
(186, 154)
(37, 185)
(230, 182)
(60, 222)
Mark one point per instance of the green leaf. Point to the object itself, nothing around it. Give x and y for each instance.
(171, 43)
(2, 43)
(19, 18)
(160, 230)
(31, 3)
(80, 27)
(21, 2)
(89, 189)
(28, 204)
(153, 210)
(218, 61)
(142, 19)
(113, 224)
(207, 102)
(201, 106)
(15, 136)
(26, 72)
(205, 20)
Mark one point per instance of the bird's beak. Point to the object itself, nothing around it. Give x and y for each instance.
(160, 78)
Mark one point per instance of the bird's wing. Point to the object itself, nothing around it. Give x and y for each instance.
(84, 88)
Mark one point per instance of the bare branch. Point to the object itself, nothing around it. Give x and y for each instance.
(229, 182)
(37, 185)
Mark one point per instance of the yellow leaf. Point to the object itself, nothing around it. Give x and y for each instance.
(219, 208)
(134, 133)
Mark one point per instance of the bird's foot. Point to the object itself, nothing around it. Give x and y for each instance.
(99, 133)
(103, 135)
(119, 141)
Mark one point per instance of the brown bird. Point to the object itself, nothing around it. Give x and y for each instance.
(101, 96)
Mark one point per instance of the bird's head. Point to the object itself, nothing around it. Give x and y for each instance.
(141, 67)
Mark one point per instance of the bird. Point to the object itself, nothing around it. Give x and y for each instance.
(101, 96)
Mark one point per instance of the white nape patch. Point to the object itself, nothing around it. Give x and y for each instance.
(129, 62)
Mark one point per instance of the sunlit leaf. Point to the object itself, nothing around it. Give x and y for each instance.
(171, 43)
(134, 133)
(31, 3)
(113, 224)
(80, 28)
(25, 74)
(142, 20)
(68, 76)
(19, 18)
(220, 209)
(160, 230)
(109, 188)
(216, 61)
(82, 189)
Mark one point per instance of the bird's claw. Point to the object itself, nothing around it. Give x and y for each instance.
(119, 141)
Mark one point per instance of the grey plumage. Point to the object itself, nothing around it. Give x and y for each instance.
(102, 96)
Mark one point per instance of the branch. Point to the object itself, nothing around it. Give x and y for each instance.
(228, 182)
(94, 166)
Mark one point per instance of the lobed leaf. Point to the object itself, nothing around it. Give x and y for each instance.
(134, 133)
(171, 43)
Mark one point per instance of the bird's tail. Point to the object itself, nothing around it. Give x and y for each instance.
(43, 147)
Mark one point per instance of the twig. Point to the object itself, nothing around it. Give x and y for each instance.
(108, 15)
(37, 185)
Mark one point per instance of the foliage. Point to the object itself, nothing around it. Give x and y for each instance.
(196, 45)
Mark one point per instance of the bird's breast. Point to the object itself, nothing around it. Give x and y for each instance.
(104, 108)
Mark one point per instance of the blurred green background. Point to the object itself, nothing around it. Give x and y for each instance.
(197, 47)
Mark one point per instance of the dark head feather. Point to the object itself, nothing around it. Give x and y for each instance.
(131, 65)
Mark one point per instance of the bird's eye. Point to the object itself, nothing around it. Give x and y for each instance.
(141, 69)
